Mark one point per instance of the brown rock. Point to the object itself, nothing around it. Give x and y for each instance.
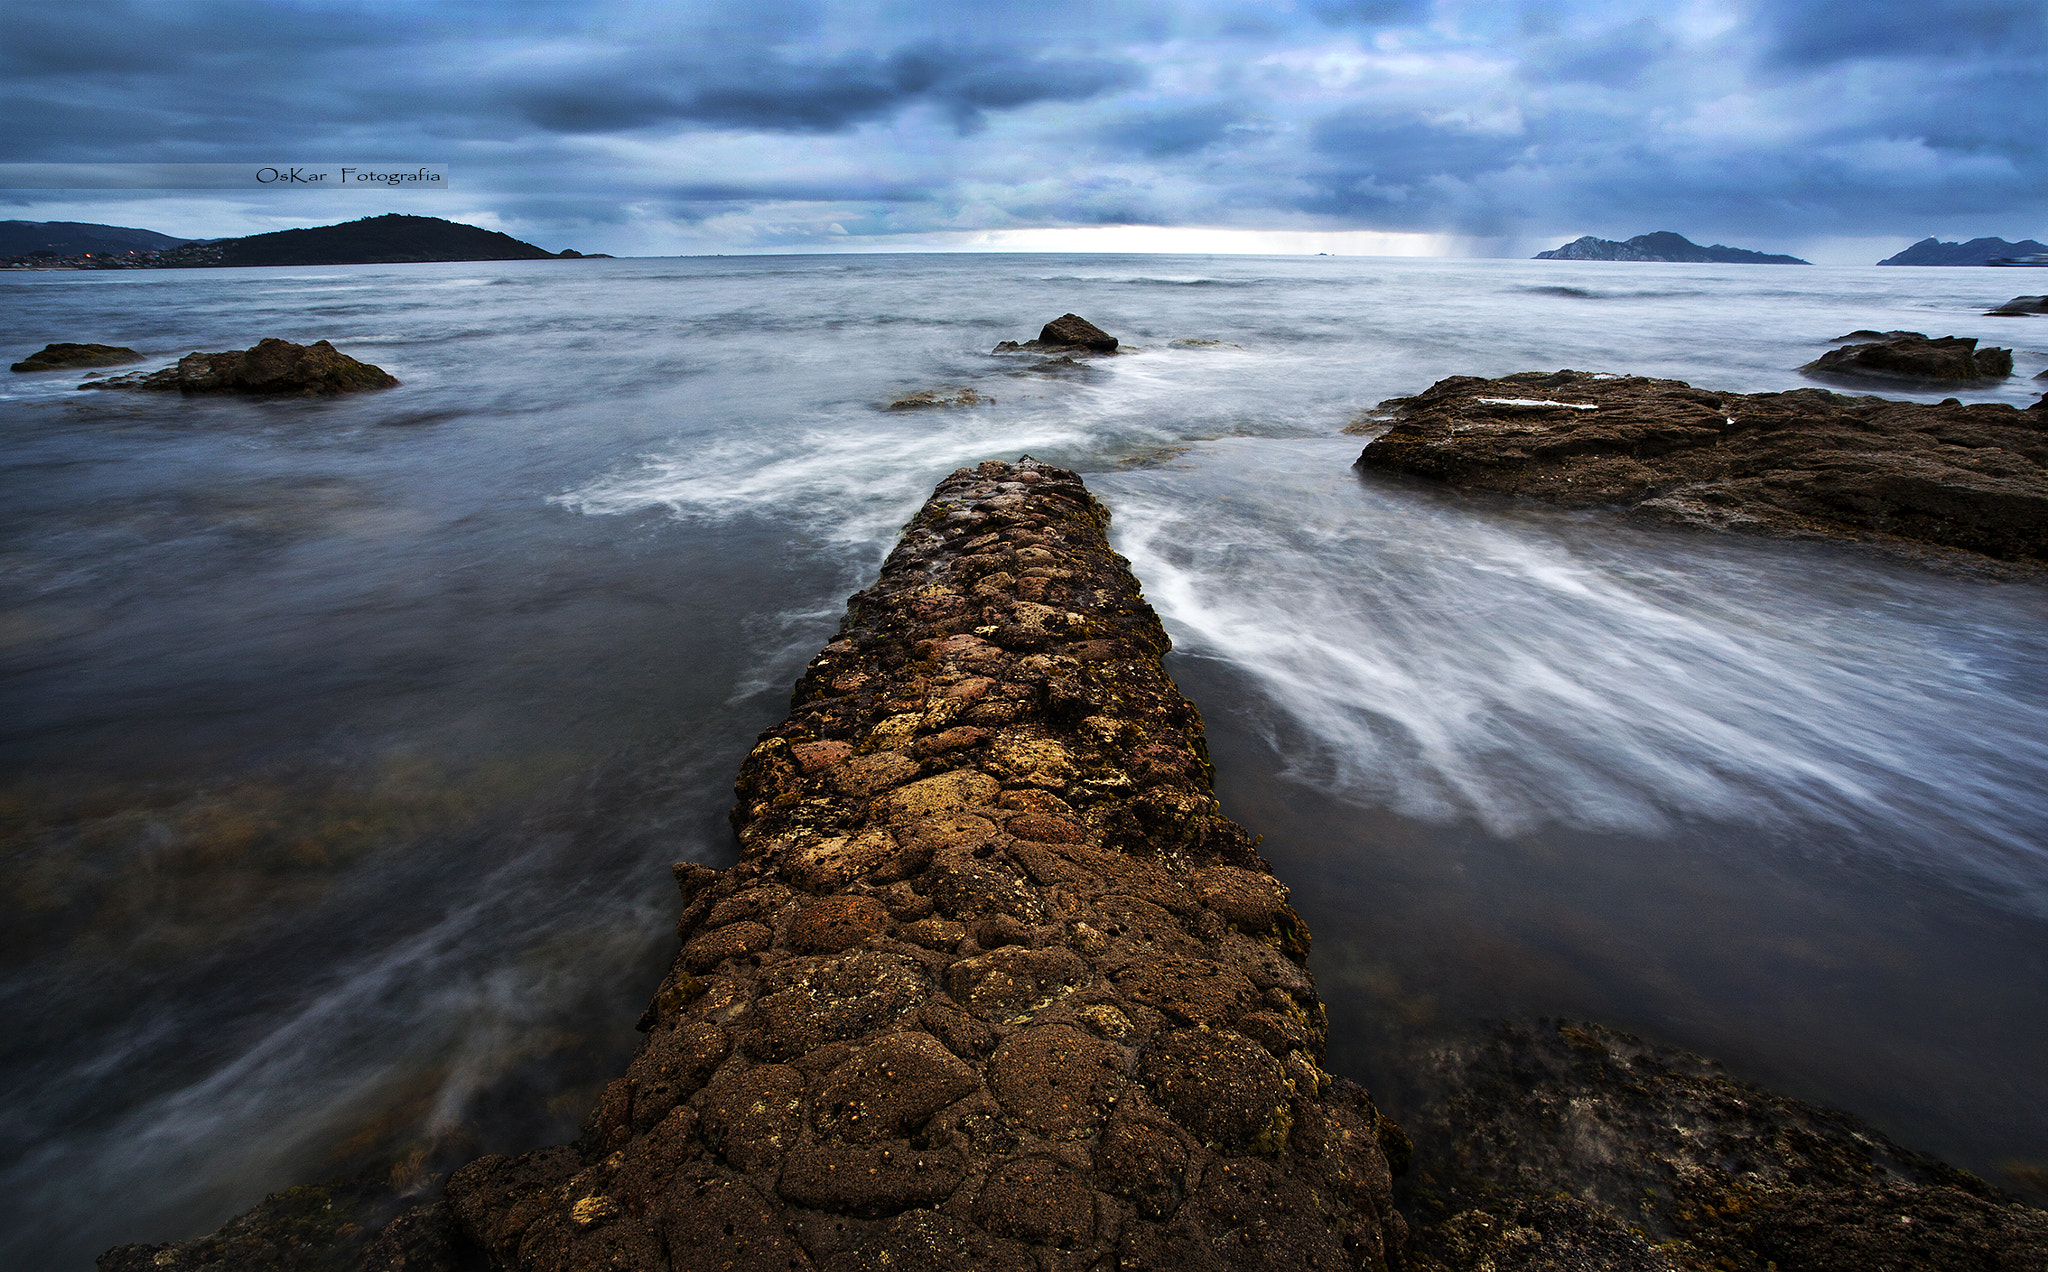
(1037, 1201)
(62, 357)
(837, 923)
(272, 368)
(1908, 355)
(1143, 1162)
(891, 1088)
(1807, 463)
(1074, 330)
(870, 1180)
(736, 940)
(816, 757)
(1222, 1086)
(1055, 1080)
(713, 1220)
(906, 1019)
(750, 1114)
(928, 1241)
(1014, 982)
(1194, 991)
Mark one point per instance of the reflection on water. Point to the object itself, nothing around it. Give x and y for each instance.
(346, 743)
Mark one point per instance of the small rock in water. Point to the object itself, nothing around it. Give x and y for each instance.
(1068, 331)
(61, 357)
(927, 398)
(273, 367)
(2020, 307)
(1909, 355)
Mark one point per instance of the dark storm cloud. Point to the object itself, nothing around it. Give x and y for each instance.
(1398, 152)
(1159, 133)
(1370, 12)
(827, 95)
(1823, 32)
(1617, 58)
(1553, 116)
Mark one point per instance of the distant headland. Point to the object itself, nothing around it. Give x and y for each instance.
(1661, 246)
(1978, 251)
(375, 240)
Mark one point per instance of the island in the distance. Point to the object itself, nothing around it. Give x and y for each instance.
(1978, 251)
(1661, 246)
(391, 239)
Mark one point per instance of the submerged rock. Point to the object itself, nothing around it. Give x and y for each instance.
(1068, 331)
(1570, 1145)
(1807, 463)
(993, 985)
(1909, 355)
(272, 367)
(62, 357)
(925, 399)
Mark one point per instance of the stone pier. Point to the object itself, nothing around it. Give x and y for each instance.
(994, 984)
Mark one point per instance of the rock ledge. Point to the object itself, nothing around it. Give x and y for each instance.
(1802, 464)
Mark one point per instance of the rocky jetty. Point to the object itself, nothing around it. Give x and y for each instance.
(994, 984)
(1910, 355)
(1660, 246)
(1068, 331)
(1571, 1146)
(1806, 463)
(272, 368)
(65, 357)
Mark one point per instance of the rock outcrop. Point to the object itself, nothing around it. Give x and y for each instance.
(1909, 355)
(1068, 331)
(994, 984)
(65, 357)
(1570, 1146)
(1806, 463)
(928, 399)
(2020, 307)
(274, 368)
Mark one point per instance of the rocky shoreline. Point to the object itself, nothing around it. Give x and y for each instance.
(995, 984)
(1920, 479)
(1568, 1145)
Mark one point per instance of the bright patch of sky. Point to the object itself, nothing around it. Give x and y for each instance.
(1379, 126)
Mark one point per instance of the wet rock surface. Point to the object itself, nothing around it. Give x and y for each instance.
(1805, 463)
(272, 368)
(994, 984)
(61, 357)
(1909, 355)
(2020, 307)
(368, 1223)
(1568, 1145)
(927, 399)
(1068, 331)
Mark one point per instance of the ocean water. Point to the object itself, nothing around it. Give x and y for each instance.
(346, 744)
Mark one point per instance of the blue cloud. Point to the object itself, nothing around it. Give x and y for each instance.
(833, 94)
(1158, 133)
(1565, 116)
(1824, 32)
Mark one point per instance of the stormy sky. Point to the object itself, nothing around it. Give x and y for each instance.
(1834, 130)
